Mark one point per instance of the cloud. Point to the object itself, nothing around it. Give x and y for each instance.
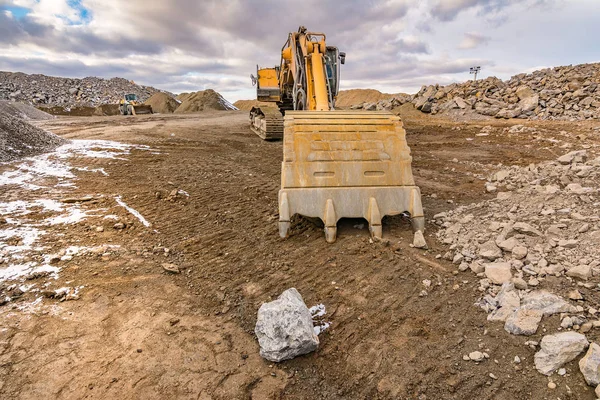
(472, 40)
(411, 44)
(183, 45)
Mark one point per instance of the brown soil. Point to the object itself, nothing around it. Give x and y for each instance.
(162, 103)
(137, 332)
(107, 109)
(70, 111)
(246, 105)
(347, 98)
(203, 100)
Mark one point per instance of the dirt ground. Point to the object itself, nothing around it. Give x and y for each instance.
(137, 331)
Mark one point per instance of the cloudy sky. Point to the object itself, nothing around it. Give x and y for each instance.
(391, 45)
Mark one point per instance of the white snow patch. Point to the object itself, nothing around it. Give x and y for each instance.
(73, 215)
(15, 271)
(132, 211)
(317, 311)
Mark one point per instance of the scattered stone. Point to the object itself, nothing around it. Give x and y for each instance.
(558, 349)
(526, 229)
(70, 200)
(172, 268)
(589, 365)
(575, 295)
(284, 328)
(551, 385)
(476, 356)
(519, 252)
(498, 273)
(119, 225)
(490, 250)
(520, 283)
(523, 322)
(581, 272)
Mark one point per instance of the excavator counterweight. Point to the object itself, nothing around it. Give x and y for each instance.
(336, 164)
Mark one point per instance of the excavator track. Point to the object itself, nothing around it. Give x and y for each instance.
(266, 123)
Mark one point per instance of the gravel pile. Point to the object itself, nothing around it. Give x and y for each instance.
(19, 138)
(23, 111)
(68, 92)
(560, 93)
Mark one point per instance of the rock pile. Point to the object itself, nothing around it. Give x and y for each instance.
(68, 92)
(19, 138)
(537, 236)
(560, 93)
(23, 111)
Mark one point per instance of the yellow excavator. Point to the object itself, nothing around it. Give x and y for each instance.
(336, 164)
(129, 105)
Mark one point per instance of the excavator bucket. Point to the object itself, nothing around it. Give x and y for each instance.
(346, 164)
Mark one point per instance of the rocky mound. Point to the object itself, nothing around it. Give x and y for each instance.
(347, 98)
(68, 92)
(560, 93)
(539, 232)
(247, 105)
(162, 103)
(23, 111)
(202, 101)
(19, 139)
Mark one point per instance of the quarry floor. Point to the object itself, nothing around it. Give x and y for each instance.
(209, 190)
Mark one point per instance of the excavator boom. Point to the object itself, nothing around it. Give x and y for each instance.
(336, 164)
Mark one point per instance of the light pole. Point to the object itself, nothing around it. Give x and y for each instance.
(474, 70)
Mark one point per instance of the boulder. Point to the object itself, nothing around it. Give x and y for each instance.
(558, 349)
(547, 303)
(284, 328)
(523, 322)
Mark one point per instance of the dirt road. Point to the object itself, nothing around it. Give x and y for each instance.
(207, 186)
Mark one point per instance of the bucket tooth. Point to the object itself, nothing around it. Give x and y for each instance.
(374, 219)
(284, 216)
(330, 221)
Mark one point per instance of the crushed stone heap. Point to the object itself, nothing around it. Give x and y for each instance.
(19, 138)
(68, 92)
(560, 93)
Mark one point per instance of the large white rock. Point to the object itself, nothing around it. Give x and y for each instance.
(546, 302)
(498, 273)
(284, 328)
(589, 365)
(558, 349)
